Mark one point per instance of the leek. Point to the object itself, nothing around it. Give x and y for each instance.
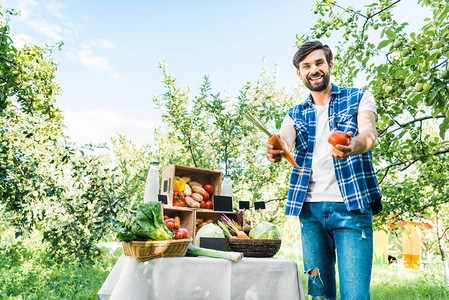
(198, 251)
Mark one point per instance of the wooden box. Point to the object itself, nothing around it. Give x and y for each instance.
(186, 216)
(196, 174)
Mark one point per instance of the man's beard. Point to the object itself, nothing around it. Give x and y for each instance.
(321, 87)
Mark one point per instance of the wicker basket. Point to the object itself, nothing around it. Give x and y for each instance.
(255, 247)
(146, 250)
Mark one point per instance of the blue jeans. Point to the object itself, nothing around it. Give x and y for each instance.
(329, 230)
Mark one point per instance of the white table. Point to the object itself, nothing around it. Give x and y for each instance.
(192, 278)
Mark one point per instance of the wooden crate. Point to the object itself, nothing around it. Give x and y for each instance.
(188, 216)
(196, 174)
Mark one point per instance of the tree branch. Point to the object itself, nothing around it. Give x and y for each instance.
(403, 125)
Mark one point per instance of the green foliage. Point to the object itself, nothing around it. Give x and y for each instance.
(72, 196)
(27, 272)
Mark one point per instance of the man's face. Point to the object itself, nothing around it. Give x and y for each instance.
(314, 71)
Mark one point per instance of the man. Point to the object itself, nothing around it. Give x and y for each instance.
(336, 193)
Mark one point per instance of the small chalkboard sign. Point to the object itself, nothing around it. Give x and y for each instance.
(162, 198)
(243, 204)
(222, 203)
(214, 243)
(259, 205)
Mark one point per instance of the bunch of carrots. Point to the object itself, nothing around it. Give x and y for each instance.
(227, 224)
(275, 141)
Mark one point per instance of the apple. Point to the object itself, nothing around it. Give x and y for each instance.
(419, 87)
(427, 87)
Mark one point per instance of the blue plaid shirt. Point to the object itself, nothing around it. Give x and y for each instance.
(355, 175)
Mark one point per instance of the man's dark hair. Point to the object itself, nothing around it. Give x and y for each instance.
(307, 48)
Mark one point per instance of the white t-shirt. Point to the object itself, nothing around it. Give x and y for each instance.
(323, 184)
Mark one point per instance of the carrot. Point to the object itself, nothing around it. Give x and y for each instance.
(178, 220)
(242, 235)
(275, 141)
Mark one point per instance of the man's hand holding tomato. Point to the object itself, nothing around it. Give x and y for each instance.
(361, 143)
(341, 149)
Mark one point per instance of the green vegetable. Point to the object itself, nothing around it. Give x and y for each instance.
(198, 251)
(144, 222)
(225, 229)
(264, 230)
(209, 230)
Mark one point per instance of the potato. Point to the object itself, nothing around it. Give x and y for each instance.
(198, 189)
(199, 220)
(186, 179)
(192, 203)
(197, 197)
(187, 190)
(192, 183)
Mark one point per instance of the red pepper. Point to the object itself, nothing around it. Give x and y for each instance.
(179, 199)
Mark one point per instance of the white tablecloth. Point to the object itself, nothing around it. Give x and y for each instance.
(191, 278)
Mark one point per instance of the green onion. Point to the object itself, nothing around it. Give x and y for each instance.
(198, 251)
(224, 228)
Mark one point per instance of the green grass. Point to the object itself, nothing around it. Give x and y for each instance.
(391, 282)
(26, 272)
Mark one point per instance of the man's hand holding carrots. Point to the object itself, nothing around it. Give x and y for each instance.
(272, 154)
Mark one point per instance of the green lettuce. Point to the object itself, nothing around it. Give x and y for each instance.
(264, 230)
(144, 222)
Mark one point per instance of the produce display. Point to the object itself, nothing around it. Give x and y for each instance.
(192, 193)
(144, 222)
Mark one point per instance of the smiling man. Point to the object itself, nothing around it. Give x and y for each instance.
(337, 194)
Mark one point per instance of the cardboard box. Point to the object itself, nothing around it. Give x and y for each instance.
(196, 174)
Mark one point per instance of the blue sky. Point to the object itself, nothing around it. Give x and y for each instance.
(108, 67)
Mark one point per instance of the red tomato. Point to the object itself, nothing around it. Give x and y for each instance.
(184, 232)
(206, 196)
(203, 204)
(176, 226)
(338, 138)
(209, 205)
(209, 188)
(170, 225)
(179, 235)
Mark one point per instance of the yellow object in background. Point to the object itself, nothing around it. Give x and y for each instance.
(380, 248)
(411, 247)
(179, 184)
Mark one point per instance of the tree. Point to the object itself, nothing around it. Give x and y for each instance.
(407, 71)
(72, 196)
(209, 131)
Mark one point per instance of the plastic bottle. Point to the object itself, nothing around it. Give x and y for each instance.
(152, 183)
(226, 188)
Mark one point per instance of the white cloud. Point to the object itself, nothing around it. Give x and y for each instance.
(52, 31)
(98, 125)
(97, 63)
(26, 8)
(55, 8)
(22, 39)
